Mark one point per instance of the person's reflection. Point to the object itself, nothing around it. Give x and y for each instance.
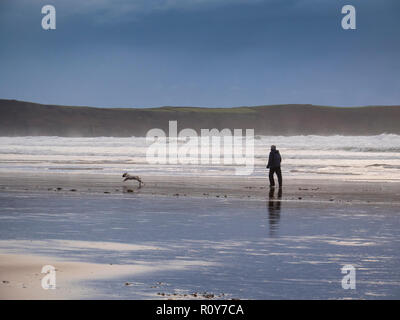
(274, 210)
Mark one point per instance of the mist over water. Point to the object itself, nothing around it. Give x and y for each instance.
(350, 157)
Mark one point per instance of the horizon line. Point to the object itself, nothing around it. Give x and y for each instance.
(197, 107)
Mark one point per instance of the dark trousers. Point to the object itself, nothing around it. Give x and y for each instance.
(271, 176)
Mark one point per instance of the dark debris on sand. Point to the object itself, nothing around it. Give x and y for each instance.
(204, 295)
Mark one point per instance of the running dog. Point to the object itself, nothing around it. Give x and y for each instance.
(127, 176)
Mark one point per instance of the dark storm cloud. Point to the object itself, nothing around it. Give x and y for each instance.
(201, 52)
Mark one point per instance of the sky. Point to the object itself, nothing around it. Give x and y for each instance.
(204, 53)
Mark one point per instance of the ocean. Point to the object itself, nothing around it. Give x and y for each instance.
(365, 158)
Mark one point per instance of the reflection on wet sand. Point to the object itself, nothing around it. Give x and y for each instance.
(196, 245)
(274, 211)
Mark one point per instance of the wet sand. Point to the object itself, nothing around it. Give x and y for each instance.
(20, 274)
(235, 187)
(21, 277)
(208, 237)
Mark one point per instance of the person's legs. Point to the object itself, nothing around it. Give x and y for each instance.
(279, 174)
(271, 177)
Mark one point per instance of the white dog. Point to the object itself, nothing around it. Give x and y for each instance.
(127, 176)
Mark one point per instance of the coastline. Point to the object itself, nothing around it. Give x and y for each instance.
(230, 187)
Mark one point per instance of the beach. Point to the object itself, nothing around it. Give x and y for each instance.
(196, 237)
(237, 187)
(199, 231)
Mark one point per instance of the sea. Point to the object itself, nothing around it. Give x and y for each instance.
(364, 158)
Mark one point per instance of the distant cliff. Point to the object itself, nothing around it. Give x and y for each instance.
(19, 118)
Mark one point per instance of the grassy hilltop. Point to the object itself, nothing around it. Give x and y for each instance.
(18, 118)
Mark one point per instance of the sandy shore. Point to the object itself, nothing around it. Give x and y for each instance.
(21, 276)
(21, 261)
(216, 187)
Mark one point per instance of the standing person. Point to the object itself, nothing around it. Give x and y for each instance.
(274, 165)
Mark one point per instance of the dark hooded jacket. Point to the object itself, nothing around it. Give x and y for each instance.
(274, 160)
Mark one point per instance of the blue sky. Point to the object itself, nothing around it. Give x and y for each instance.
(210, 53)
